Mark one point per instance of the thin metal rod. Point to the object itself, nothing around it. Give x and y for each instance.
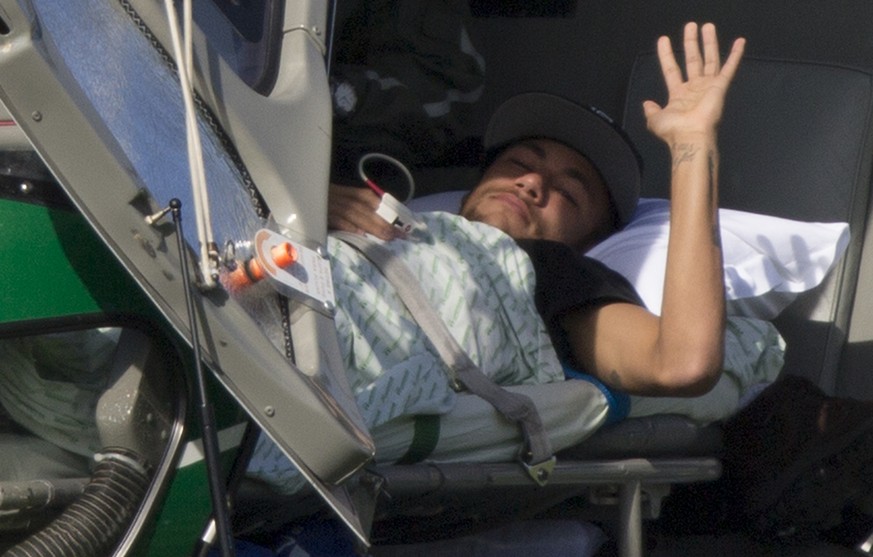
(211, 450)
(331, 31)
(630, 515)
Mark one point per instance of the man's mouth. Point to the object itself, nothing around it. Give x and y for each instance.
(515, 204)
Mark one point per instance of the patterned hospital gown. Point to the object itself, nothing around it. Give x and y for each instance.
(480, 282)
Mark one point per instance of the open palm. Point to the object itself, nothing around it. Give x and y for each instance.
(696, 100)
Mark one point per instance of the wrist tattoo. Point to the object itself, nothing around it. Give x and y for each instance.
(716, 229)
(683, 152)
(710, 167)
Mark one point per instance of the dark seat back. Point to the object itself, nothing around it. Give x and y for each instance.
(796, 141)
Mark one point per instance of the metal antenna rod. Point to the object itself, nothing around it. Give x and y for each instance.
(211, 450)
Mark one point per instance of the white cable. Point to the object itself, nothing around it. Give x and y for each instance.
(195, 151)
(390, 209)
(400, 166)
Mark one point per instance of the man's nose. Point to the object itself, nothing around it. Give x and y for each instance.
(532, 185)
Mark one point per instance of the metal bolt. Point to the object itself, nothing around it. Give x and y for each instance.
(36, 115)
(229, 255)
(270, 411)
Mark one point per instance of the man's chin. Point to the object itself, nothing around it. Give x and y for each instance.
(506, 226)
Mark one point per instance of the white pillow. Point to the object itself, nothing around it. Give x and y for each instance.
(768, 260)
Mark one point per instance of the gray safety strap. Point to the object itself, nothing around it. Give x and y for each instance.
(537, 454)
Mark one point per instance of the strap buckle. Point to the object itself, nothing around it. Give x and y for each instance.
(541, 472)
(454, 376)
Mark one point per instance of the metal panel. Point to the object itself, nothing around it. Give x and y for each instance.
(103, 108)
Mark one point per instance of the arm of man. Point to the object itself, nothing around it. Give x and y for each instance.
(680, 352)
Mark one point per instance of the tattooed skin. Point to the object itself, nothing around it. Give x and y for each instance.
(687, 152)
(684, 152)
(615, 379)
(716, 229)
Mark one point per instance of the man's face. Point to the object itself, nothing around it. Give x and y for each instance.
(542, 189)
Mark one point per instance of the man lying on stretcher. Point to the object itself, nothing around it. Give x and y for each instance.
(507, 279)
(560, 177)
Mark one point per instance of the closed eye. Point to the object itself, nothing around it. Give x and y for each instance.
(567, 195)
(521, 164)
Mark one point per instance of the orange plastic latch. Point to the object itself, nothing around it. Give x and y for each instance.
(250, 271)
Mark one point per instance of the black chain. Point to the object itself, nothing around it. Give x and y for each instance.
(208, 116)
(205, 113)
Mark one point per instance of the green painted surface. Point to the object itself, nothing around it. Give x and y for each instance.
(185, 511)
(183, 515)
(56, 270)
(54, 265)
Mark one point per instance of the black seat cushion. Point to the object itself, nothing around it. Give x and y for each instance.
(666, 436)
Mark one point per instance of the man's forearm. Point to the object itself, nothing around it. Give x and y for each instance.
(693, 310)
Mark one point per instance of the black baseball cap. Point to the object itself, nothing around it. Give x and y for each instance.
(586, 129)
